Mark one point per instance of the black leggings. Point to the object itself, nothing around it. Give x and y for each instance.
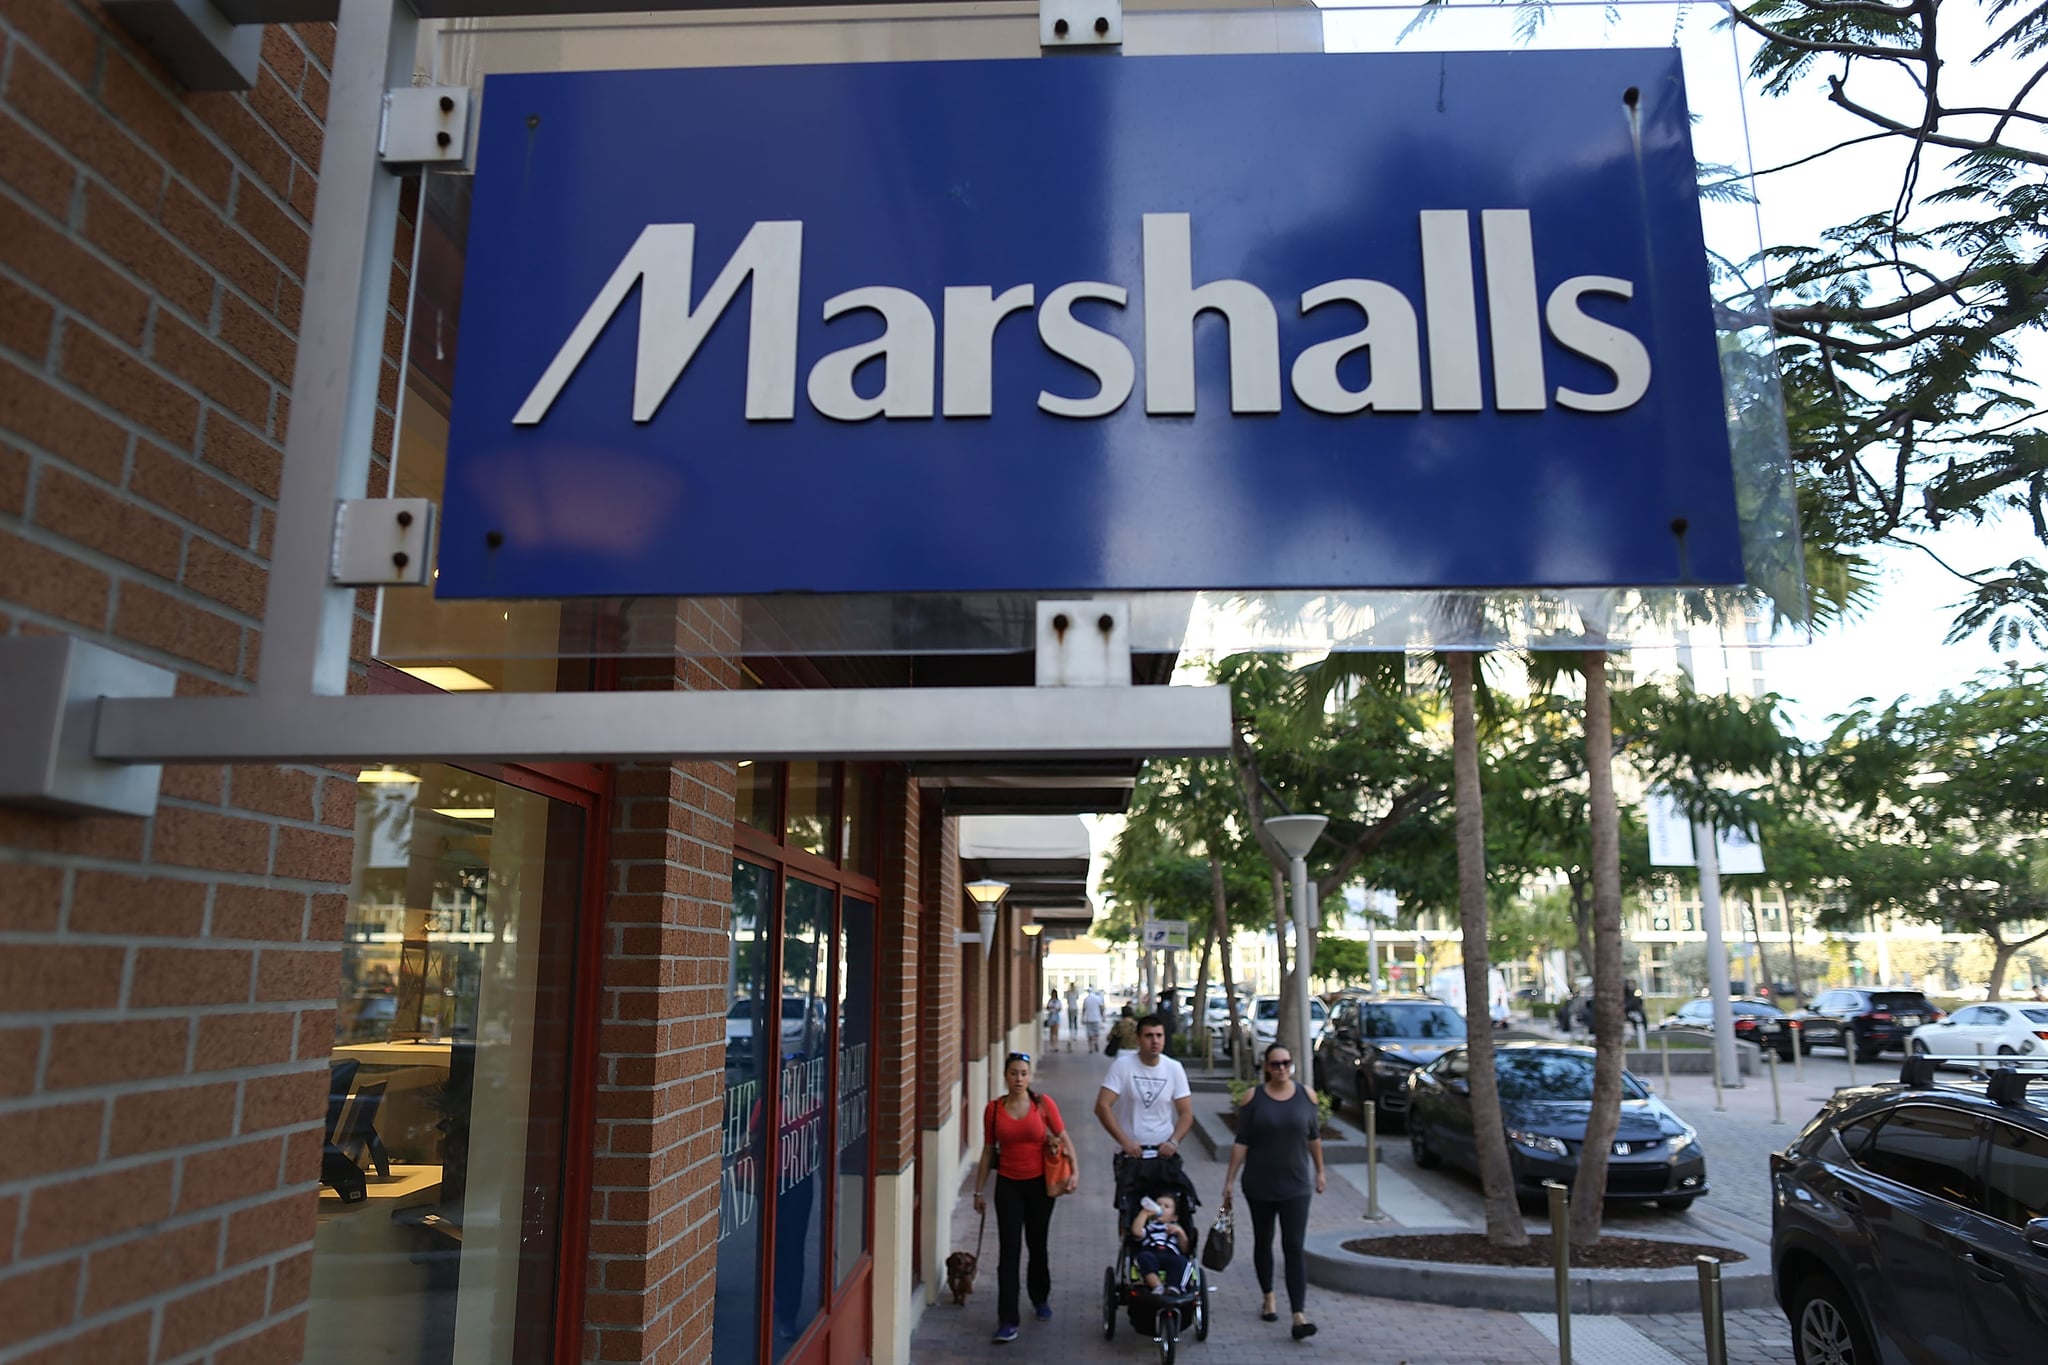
(1023, 1214)
(1293, 1216)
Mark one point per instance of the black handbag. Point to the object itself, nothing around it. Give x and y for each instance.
(1222, 1242)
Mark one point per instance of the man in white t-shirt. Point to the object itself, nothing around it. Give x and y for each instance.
(1092, 1010)
(1145, 1100)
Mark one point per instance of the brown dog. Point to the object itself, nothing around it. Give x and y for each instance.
(960, 1268)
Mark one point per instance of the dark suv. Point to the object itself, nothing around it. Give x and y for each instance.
(1910, 1223)
(1872, 1020)
(1373, 1043)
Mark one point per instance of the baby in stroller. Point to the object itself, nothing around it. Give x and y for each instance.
(1163, 1244)
(1155, 1278)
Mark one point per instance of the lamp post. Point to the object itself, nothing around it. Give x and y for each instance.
(988, 897)
(1296, 835)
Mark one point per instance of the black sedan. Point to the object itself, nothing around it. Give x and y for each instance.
(1756, 1021)
(1371, 1046)
(1546, 1093)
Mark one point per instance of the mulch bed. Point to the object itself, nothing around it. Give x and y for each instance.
(1471, 1248)
(1329, 1134)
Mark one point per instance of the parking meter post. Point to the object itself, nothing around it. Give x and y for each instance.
(1777, 1105)
(1561, 1260)
(1372, 1161)
(1664, 1047)
(1710, 1309)
(1720, 1104)
(1798, 1052)
(1849, 1053)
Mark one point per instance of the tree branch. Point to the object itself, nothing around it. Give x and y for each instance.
(1838, 95)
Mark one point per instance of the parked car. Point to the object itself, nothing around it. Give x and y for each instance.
(1755, 1022)
(2006, 1029)
(1372, 1045)
(1546, 1094)
(1265, 1013)
(1910, 1223)
(1871, 1019)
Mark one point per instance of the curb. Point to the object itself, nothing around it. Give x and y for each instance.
(1518, 1289)
(1216, 1139)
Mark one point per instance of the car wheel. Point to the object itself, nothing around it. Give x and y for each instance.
(2005, 1050)
(1919, 1048)
(1826, 1329)
(1418, 1146)
(1678, 1205)
(1867, 1052)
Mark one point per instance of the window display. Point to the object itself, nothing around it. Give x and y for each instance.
(440, 1179)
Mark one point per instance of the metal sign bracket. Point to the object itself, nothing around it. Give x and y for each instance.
(1079, 24)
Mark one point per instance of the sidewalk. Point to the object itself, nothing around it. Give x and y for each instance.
(1365, 1330)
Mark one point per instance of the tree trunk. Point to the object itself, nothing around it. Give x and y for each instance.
(1763, 957)
(1588, 1189)
(2000, 962)
(1496, 1178)
(1284, 1025)
(1219, 922)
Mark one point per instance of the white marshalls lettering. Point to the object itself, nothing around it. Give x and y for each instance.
(1392, 340)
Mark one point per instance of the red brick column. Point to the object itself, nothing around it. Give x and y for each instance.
(167, 986)
(654, 1202)
(941, 1002)
(897, 1078)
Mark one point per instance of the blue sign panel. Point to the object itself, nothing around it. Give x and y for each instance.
(1413, 320)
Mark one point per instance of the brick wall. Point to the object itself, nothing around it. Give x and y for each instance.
(897, 1077)
(941, 1000)
(167, 986)
(661, 1083)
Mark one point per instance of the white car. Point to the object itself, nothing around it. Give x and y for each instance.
(1266, 1019)
(2005, 1029)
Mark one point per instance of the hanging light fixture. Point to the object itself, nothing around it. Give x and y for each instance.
(988, 896)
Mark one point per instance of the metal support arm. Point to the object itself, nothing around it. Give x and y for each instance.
(850, 723)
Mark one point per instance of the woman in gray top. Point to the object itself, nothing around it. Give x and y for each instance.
(1279, 1148)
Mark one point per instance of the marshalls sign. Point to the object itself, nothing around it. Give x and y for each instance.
(1271, 322)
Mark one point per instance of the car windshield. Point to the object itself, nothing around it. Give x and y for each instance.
(2038, 1016)
(1411, 1021)
(1269, 1009)
(1757, 1007)
(793, 1007)
(1540, 1075)
(741, 1009)
(1898, 1000)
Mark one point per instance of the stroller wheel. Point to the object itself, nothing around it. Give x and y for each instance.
(1201, 1307)
(1169, 1325)
(1109, 1303)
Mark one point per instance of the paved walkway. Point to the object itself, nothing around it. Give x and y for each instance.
(1370, 1331)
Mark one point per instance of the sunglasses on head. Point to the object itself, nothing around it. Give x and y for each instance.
(1017, 1057)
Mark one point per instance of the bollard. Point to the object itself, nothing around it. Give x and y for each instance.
(1372, 1161)
(1664, 1047)
(1849, 1053)
(1798, 1053)
(1710, 1309)
(1714, 1065)
(1777, 1106)
(1561, 1259)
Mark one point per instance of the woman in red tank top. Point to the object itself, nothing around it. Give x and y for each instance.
(1014, 1133)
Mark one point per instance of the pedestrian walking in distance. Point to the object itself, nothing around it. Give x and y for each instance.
(1092, 1010)
(1052, 1022)
(1279, 1148)
(1014, 1132)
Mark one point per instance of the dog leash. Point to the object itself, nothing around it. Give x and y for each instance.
(978, 1233)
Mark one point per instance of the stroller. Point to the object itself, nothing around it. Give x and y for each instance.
(1178, 1308)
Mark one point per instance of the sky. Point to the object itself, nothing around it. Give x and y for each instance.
(1897, 647)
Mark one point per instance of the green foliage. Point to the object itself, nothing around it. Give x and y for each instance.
(1952, 804)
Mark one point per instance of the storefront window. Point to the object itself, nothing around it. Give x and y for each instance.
(858, 848)
(440, 1179)
(736, 1323)
(801, 1132)
(855, 985)
(810, 807)
(757, 793)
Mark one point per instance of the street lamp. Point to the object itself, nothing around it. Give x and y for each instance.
(988, 895)
(1296, 835)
